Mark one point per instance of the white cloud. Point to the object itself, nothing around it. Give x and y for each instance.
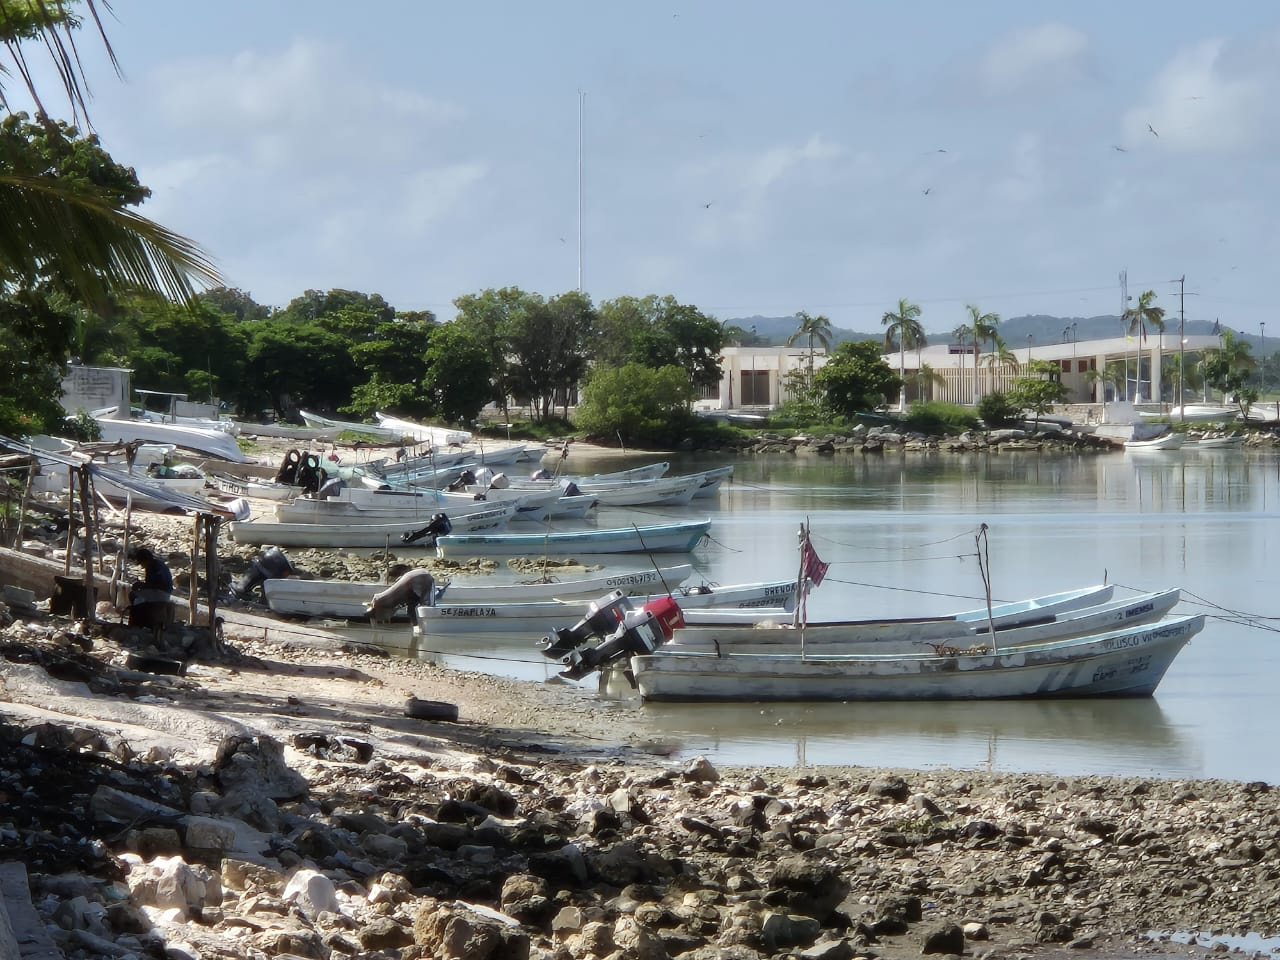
(1051, 52)
(1207, 99)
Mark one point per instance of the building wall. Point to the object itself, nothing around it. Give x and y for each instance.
(92, 388)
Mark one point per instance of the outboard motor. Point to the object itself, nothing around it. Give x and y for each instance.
(541, 475)
(641, 631)
(603, 617)
(269, 565)
(288, 472)
(310, 474)
(500, 481)
(571, 490)
(465, 479)
(331, 488)
(438, 527)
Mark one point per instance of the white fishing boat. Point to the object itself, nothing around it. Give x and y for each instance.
(1123, 663)
(254, 489)
(657, 491)
(1216, 443)
(362, 505)
(317, 422)
(292, 596)
(676, 537)
(711, 481)
(1191, 412)
(400, 534)
(425, 433)
(921, 636)
(1172, 440)
(448, 615)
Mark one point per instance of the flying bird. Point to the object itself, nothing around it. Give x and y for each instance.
(707, 205)
(926, 190)
(1121, 149)
(1153, 130)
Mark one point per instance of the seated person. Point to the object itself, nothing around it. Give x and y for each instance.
(155, 588)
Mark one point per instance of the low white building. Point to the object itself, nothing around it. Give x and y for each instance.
(755, 378)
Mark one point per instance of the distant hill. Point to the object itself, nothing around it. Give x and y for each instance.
(774, 331)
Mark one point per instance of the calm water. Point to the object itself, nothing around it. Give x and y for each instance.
(900, 535)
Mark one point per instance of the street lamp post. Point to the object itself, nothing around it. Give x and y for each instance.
(1262, 355)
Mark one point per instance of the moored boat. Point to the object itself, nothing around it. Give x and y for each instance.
(676, 537)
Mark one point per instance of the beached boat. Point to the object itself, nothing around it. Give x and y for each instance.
(317, 422)
(676, 537)
(212, 443)
(1216, 443)
(1171, 440)
(349, 599)
(490, 516)
(362, 505)
(711, 481)
(449, 615)
(424, 433)
(255, 489)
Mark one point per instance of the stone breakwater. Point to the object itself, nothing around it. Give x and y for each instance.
(315, 832)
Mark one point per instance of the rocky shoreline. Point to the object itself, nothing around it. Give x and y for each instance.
(277, 801)
(279, 797)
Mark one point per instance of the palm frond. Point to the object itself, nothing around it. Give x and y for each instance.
(91, 245)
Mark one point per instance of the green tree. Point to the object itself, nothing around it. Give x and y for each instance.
(1227, 369)
(1039, 391)
(810, 329)
(1138, 318)
(490, 316)
(856, 378)
(458, 381)
(903, 332)
(235, 303)
(192, 349)
(546, 346)
(394, 364)
(638, 404)
(658, 332)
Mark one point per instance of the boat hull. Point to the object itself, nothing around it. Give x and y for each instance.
(349, 599)
(355, 533)
(660, 538)
(1127, 663)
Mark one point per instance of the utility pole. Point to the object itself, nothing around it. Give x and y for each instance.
(1124, 305)
(1182, 346)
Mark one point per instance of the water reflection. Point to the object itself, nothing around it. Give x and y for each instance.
(1130, 737)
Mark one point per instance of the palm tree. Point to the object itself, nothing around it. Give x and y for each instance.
(985, 326)
(903, 330)
(962, 335)
(928, 378)
(47, 226)
(1001, 358)
(1137, 318)
(814, 328)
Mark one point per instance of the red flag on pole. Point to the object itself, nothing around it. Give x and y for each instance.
(812, 565)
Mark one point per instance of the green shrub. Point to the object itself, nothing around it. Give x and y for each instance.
(937, 419)
(83, 428)
(997, 410)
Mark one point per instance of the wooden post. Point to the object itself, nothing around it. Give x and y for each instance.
(212, 525)
(26, 499)
(90, 536)
(72, 480)
(192, 603)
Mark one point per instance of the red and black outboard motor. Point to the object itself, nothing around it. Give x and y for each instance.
(603, 617)
(641, 631)
(438, 527)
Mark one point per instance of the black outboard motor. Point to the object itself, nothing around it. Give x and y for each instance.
(269, 565)
(288, 472)
(438, 527)
(603, 617)
(330, 488)
(465, 479)
(310, 474)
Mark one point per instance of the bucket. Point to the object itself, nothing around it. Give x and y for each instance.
(72, 598)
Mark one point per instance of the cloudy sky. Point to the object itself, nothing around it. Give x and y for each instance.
(746, 157)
